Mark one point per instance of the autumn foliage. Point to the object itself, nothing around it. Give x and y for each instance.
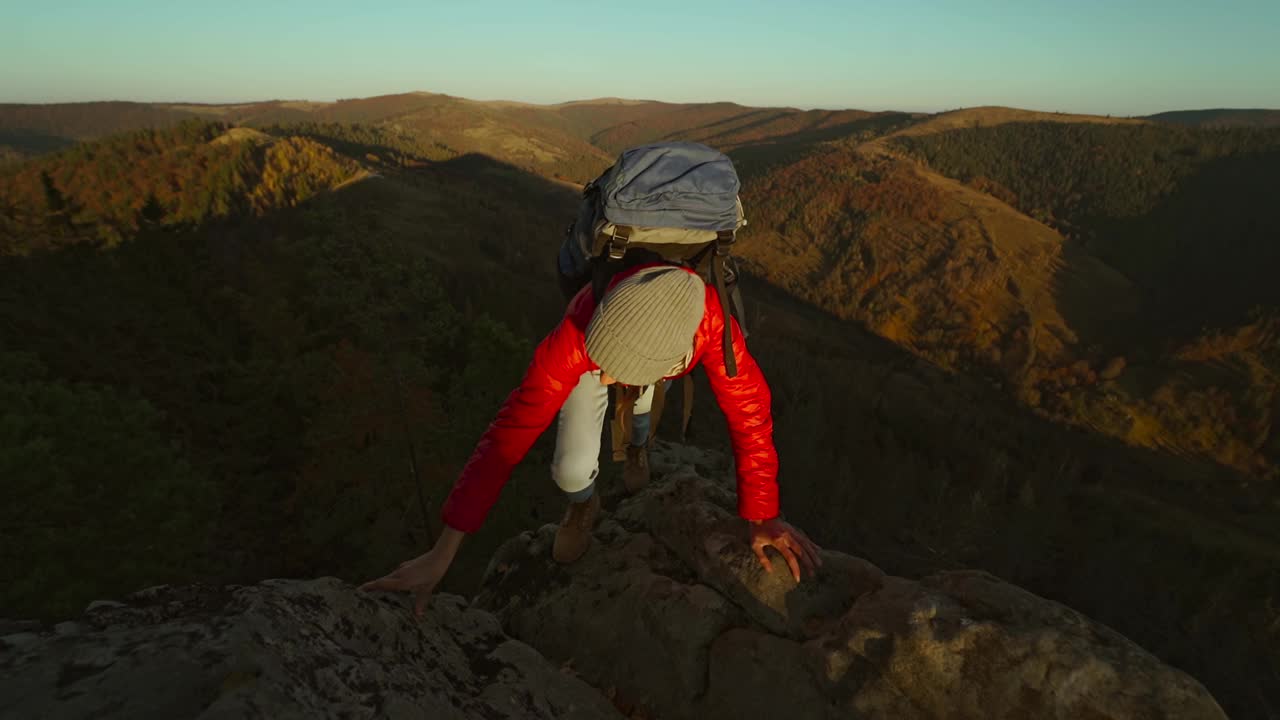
(183, 176)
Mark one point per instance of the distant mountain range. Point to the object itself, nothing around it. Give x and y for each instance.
(572, 141)
(569, 140)
(603, 121)
(1221, 118)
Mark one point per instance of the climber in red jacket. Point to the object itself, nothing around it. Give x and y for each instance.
(654, 322)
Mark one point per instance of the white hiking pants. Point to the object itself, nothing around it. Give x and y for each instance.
(580, 428)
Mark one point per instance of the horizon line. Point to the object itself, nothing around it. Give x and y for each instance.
(619, 99)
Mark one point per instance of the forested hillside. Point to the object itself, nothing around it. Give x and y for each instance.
(246, 375)
(1154, 201)
(1183, 215)
(185, 176)
(30, 130)
(1108, 273)
(228, 354)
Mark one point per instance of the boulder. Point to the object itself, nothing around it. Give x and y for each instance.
(283, 649)
(670, 609)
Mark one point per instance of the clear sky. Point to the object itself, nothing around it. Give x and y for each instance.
(1098, 56)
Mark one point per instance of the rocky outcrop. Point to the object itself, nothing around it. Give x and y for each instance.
(668, 615)
(670, 612)
(283, 649)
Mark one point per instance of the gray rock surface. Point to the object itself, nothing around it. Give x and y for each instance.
(283, 649)
(670, 612)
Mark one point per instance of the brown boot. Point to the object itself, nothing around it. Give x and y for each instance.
(574, 536)
(635, 473)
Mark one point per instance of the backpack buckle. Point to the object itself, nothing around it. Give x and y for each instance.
(618, 239)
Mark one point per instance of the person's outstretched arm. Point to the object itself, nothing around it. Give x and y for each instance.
(558, 363)
(421, 574)
(747, 404)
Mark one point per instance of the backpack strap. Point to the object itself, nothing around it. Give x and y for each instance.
(738, 306)
(724, 245)
(610, 260)
(687, 407)
(656, 408)
(613, 258)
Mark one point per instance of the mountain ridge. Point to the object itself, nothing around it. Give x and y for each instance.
(1221, 117)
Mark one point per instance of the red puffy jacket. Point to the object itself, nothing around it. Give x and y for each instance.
(558, 364)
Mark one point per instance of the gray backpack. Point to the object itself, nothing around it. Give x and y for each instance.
(667, 202)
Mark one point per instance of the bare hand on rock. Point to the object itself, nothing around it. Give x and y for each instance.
(794, 546)
(419, 576)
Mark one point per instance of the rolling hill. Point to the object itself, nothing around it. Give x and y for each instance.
(1220, 118)
(193, 173)
(572, 141)
(30, 130)
(1052, 254)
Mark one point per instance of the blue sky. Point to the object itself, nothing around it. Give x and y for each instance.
(1119, 57)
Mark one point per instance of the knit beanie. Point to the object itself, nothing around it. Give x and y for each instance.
(644, 325)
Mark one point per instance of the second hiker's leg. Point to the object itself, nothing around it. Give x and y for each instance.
(635, 473)
(581, 423)
(640, 418)
(576, 464)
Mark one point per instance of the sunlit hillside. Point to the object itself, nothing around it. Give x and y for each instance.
(1068, 259)
(190, 174)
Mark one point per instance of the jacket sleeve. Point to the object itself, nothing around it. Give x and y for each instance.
(748, 406)
(558, 364)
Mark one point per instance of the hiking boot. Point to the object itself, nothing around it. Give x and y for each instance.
(635, 473)
(574, 535)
